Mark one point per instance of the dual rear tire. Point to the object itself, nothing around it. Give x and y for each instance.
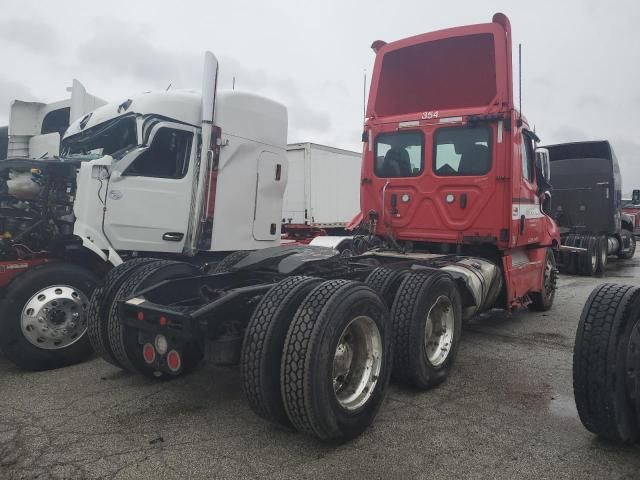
(318, 355)
(590, 262)
(122, 345)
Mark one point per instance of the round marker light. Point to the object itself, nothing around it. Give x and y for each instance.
(141, 316)
(174, 362)
(450, 198)
(405, 198)
(163, 321)
(161, 344)
(148, 353)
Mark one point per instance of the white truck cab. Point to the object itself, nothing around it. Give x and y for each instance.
(171, 174)
(140, 190)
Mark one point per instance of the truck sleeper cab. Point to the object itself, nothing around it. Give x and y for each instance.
(176, 175)
(586, 203)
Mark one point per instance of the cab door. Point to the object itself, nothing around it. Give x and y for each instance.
(149, 193)
(527, 214)
(270, 183)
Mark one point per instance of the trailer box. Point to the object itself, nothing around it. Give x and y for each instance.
(323, 189)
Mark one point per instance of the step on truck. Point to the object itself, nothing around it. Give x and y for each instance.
(586, 203)
(451, 226)
(164, 175)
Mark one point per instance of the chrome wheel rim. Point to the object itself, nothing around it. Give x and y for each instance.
(438, 332)
(356, 363)
(55, 317)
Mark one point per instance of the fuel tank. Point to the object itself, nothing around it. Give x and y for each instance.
(483, 280)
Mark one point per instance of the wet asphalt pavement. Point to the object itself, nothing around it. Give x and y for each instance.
(507, 411)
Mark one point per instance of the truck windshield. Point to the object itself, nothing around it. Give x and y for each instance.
(461, 151)
(113, 138)
(399, 154)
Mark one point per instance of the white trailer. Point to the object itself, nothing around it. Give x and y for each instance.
(324, 186)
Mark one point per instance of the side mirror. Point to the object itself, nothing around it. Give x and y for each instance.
(542, 163)
(635, 197)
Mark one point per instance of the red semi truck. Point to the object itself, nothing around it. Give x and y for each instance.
(451, 226)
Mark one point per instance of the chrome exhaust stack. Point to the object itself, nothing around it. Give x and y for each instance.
(205, 158)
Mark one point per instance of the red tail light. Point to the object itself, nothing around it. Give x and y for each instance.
(141, 316)
(163, 321)
(174, 362)
(148, 353)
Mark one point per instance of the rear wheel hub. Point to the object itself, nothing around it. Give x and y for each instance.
(356, 363)
(438, 332)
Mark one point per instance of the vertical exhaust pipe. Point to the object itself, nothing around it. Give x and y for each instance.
(203, 165)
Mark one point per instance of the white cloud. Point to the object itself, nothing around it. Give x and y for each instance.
(30, 34)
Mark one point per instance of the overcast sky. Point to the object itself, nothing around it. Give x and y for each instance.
(581, 69)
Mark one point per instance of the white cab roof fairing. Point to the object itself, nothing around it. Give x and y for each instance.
(182, 106)
(252, 117)
(237, 113)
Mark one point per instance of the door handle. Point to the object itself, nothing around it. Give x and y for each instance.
(463, 200)
(173, 236)
(394, 204)
(522, 223)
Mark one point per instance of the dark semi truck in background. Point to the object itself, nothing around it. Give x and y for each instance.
(586, 204)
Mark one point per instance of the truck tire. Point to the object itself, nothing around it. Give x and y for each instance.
(608, 320)
(570, 259)
(386, 282)
(263, 344)
(123, 340)
(336, 361)
(427, 324)
(632, 246)
(43, 316)
(603, 254)
(98, 313)
(230, 260)
(543, 301)
(589, 260)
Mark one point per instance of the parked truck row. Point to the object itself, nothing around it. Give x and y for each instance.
(318, 335)
(120, 246)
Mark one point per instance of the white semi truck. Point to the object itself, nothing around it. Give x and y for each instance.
(177, 174)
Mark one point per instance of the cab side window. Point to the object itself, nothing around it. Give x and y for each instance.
(528, 158)
(167, 157)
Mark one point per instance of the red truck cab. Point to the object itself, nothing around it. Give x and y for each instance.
(449, 163)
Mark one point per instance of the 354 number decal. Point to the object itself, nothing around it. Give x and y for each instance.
(429, 115)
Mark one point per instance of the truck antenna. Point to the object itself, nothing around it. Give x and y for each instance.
(168, 87)
(520, 81)
(364, 95)
(233, 84)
